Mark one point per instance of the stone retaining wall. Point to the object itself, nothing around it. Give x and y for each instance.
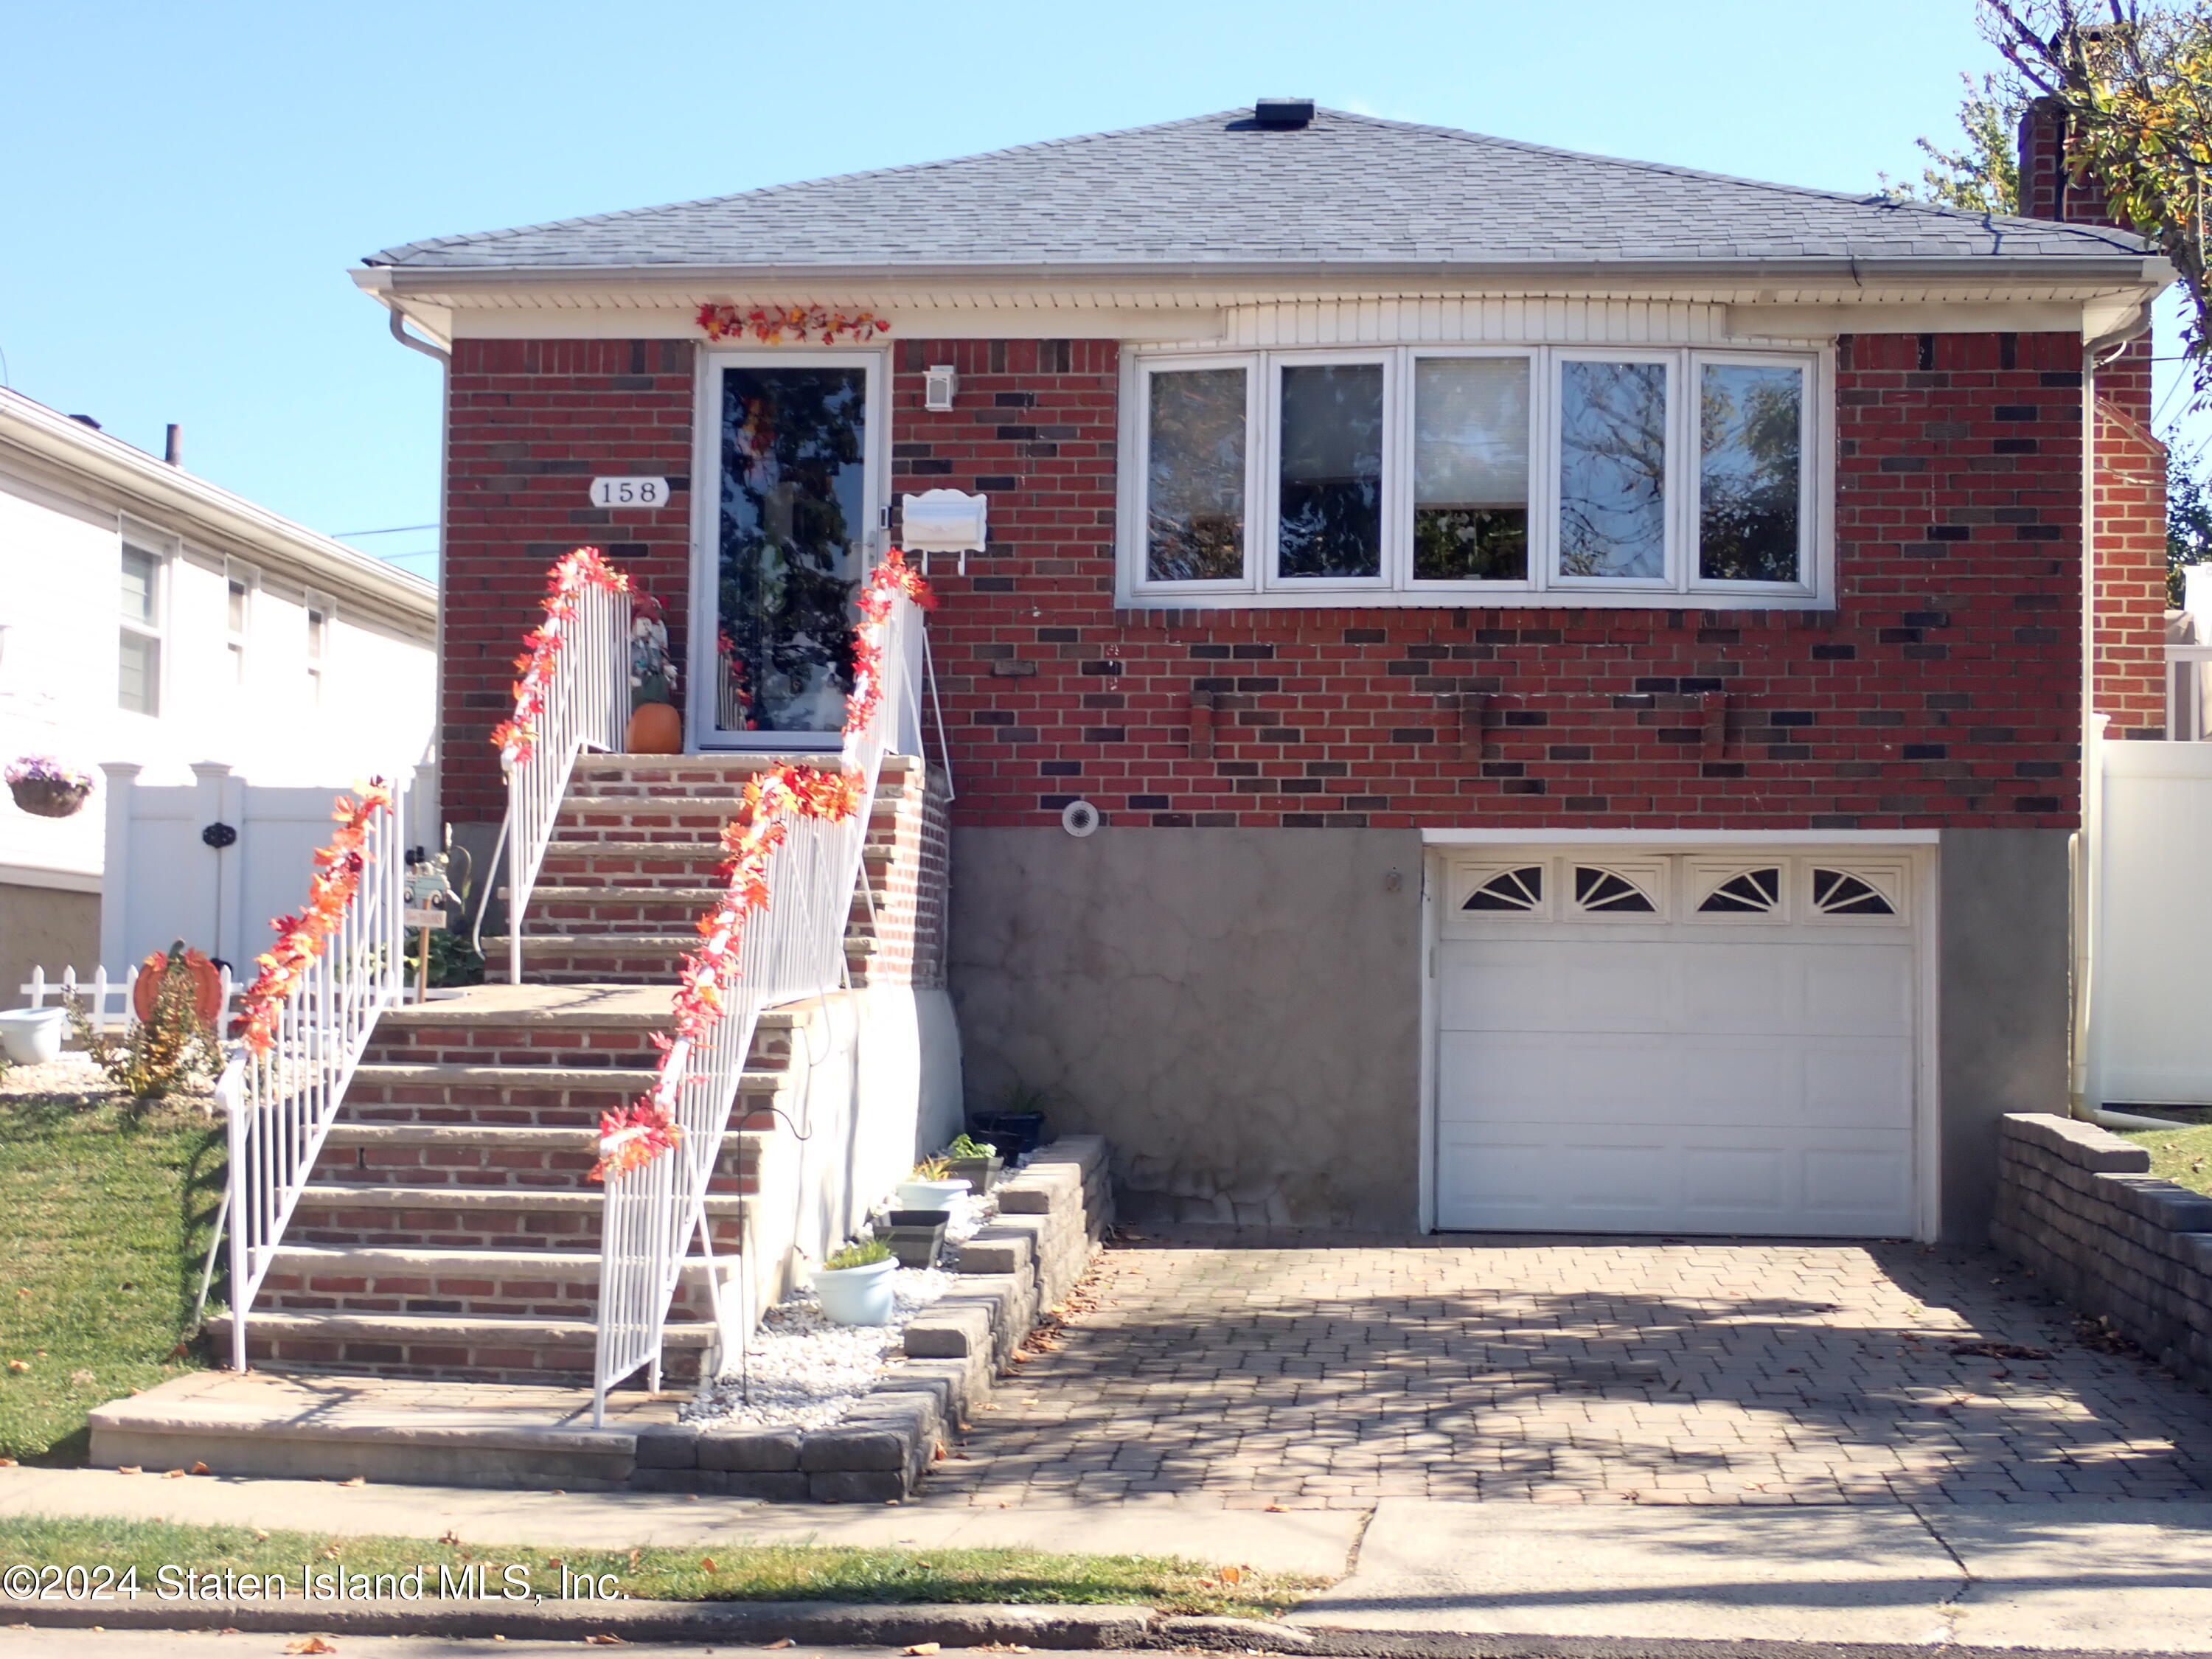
(1051, 1216)
(2076, 1203)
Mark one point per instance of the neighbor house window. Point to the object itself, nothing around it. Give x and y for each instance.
(318, 645)
(138, 686)
(1474, 475)
(237, 617)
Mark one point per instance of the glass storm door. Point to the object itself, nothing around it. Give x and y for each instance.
(787, 546)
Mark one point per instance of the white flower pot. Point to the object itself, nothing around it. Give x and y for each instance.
(857, 1295)
(32, 1037)
(930, 1194)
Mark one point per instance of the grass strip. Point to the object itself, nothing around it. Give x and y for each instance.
(733, 1571)
(104, 1214)
(2182, 1154)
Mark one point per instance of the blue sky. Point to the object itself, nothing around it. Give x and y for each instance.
(189, 184)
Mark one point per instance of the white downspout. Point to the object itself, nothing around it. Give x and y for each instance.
(432, 795)
(2085, 848)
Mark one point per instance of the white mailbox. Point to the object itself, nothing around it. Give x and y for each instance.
(943, 521)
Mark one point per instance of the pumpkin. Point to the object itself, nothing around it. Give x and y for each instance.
(207, 986)
(655, 728)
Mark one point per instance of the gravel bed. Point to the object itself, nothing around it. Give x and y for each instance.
(804, 1371)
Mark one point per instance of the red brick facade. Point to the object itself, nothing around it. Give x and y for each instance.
(1942, 692)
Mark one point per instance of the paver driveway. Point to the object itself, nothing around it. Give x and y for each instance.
(1311, 1371)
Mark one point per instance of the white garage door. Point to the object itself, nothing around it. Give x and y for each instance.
(1676, 1042)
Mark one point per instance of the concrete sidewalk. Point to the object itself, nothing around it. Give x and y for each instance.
(2127, 1575)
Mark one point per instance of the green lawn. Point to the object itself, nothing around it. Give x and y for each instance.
(103, 1222)
(713, 1573)
(2182, 1154)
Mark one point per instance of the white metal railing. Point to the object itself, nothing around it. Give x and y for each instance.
(280, 1103)
(2189, 692)
(586, 703)
(793, 950)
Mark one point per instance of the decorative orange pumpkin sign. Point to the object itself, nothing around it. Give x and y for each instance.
(207, 986)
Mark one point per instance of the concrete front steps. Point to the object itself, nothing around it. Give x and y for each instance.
(319, 1423)
(450, 1231)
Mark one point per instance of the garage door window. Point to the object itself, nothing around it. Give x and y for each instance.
(1758, 892)
(1520, 889)
(1610, 892)
(1839, 893)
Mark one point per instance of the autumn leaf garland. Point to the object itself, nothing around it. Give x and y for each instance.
(516, 739)
(302, 939)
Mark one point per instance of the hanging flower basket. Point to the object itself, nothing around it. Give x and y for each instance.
(46, 788)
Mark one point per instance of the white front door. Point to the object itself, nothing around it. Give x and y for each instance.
(790, 495)
(1700, 1042)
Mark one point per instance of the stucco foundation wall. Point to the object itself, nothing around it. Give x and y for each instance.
(2002, 1002)
(46, 927)
(1236, 1011)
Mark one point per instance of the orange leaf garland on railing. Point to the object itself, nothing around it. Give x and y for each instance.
(893, 576)
(301, 938)
(586, 567)
(631, 1137)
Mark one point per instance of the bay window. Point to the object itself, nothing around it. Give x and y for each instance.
(1474, 475)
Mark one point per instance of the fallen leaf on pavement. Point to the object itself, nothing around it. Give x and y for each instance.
(202, 1468)
(358, 1480)
(172, 1474)
(781, 1642)
(128, 1468)
(922, 1649)
(310, 1645)
(605, 1639)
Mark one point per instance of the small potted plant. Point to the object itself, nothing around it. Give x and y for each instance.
(43, 786)
(975, 1162)
(930, 1188)
(855, 1284)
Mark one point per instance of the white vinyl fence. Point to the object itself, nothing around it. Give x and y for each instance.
(2150, 905)
(210, 862)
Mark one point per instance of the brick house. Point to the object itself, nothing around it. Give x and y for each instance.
(1580, 663)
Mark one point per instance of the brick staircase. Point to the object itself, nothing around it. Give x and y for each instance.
(449, 1230)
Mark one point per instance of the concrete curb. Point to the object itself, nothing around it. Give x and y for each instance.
(829, 1624)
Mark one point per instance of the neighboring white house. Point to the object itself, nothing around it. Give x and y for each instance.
(148, 617)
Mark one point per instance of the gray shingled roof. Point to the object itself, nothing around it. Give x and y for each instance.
(1215, 191)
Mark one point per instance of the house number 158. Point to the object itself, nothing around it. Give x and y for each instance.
(629, 492)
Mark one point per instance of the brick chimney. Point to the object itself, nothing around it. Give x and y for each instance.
(2046, 191)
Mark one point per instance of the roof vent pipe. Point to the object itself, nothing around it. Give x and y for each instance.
(174, 450)
(1283, 115)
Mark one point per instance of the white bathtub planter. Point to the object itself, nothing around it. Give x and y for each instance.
(33, 1036)
(923, 1193)
(855, 1285)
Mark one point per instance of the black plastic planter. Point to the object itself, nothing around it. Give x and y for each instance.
(916, 1236)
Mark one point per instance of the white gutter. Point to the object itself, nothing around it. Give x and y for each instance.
(162, 493)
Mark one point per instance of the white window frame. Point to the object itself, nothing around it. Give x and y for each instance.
(162, 550)
(1679, 587)
(319, 662)
(240, 639)
(1137, 403)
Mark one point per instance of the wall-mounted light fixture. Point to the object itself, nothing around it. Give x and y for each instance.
(939, 386)
(943, 521)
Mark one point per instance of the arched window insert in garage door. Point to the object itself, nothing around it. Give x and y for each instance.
(1713, 889)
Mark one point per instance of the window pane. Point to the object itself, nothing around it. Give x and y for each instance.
(1471, 469)
(1331, 481)
(139, 684)
(1749, 416)
(141, 585)
(1612, 469)
(1194, 477)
